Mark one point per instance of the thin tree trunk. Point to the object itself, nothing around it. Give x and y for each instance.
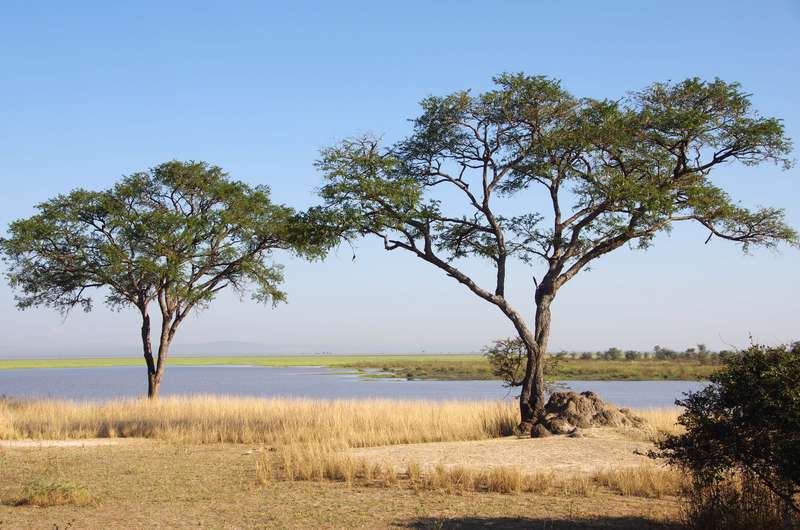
(147, 347)
(155, 377)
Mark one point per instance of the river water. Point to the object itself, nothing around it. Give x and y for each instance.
(306, 382)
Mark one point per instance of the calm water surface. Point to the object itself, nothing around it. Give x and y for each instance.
(310, 382)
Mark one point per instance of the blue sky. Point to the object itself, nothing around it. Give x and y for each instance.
(94, 90)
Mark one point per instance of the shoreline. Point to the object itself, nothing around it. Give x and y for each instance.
(436, 367)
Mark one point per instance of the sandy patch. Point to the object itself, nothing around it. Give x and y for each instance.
(601, 449)
(89, 442)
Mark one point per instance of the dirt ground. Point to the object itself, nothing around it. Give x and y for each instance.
(147, 484)
(599, 450)
(91, 442)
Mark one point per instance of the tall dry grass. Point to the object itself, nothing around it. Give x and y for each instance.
(319, 462)
(209, 419)
(345, 423)
(661, 420)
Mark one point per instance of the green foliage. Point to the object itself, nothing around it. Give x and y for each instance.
(747, 420)
(179, 232)
(632, 355)
(176, 235)
(626, 170)
(530, 172)
(613, 354)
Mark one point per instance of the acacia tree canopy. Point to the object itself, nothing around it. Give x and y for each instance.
(528, 171)
(175, 235)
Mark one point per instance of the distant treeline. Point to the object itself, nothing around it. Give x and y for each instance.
(700, 353)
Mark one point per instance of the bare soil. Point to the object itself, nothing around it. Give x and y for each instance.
(599, 450)
(89, 442)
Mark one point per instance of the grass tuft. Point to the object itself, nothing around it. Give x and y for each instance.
(44, 492)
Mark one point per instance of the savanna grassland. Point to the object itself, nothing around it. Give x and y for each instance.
(435, 366)
(212, 462)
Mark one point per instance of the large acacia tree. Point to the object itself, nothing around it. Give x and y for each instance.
(173, 236)
(528, 171)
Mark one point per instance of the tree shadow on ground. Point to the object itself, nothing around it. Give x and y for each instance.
(536, 523)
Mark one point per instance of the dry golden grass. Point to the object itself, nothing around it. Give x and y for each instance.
(644, 481)
(345, 423)
(318, 463)
(661, 420)
(209, 419)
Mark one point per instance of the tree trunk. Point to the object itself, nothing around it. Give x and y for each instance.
(147, 347)
(532, 398)
(531, 387)
(153, 385)
(154, 378)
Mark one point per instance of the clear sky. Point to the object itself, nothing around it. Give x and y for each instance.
(93, 90)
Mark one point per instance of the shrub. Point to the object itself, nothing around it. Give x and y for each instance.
(746, 423)
(508, 359)
(733, 503)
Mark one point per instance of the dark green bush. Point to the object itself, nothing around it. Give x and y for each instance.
(746, 423)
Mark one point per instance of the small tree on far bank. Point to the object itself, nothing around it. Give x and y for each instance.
(529, 172)
(745, 423)
(173, 236)
(508, 359)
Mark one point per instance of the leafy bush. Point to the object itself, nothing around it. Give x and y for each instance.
(746, 423)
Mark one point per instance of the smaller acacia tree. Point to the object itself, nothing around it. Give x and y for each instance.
(175, 235)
